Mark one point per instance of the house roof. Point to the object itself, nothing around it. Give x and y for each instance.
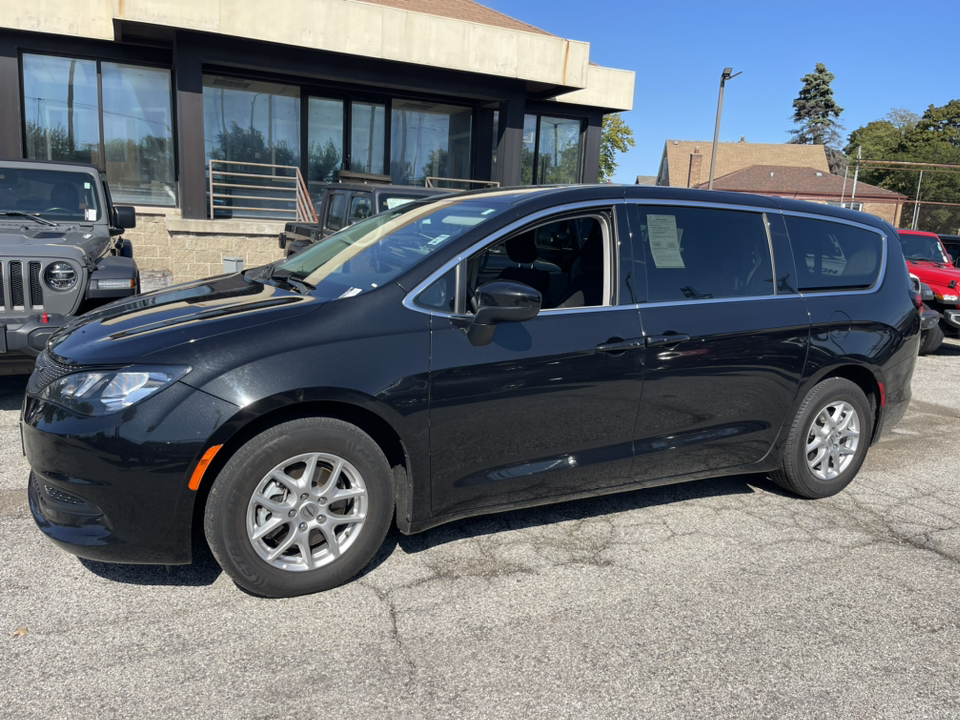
(679, 171)
(806, 181)
(460, 10)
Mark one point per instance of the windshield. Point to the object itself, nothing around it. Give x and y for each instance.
(51, 194)
(923, 247)
(370, 253)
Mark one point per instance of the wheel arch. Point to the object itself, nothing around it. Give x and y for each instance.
(861, 376)
(379, 429)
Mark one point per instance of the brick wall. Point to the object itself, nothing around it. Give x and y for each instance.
(193, 249)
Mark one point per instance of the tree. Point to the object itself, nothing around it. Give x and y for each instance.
(815, 110)
(616, 136)
(933, 137)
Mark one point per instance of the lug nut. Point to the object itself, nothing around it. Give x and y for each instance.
(322, 501)
(303, 527)
(303, 496)
(291, 513)
(322, 519)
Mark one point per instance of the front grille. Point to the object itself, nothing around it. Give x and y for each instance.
(48, 370)
(16, 284)
(36, 289)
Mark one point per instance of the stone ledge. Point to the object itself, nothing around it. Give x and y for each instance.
(225, 227)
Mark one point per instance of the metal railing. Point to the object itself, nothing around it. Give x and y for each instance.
(258, 190)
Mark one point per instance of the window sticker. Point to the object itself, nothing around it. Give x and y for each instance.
(664, 241)
(90, 214)
(395, 202)
(351, 292)
(438, 239)
(86, 186)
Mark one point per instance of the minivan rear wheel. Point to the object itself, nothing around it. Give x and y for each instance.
(300, 508)
(828, 440)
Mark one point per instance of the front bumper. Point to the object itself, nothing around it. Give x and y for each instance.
(928, 318)
(952, 317)
(28, 336)
(114, 488)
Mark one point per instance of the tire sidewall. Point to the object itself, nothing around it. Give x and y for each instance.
(226, 512)
(827, 393)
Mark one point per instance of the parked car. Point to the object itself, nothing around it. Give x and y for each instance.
(60, 253)
(931, 336)
(392, 373)
(342, 204)
(951, 244)
(929, 261)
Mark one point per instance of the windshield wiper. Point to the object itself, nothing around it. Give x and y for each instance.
(286, 277)
(37, 218)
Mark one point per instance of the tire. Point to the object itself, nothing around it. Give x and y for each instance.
(819, 474)
(931, 340)
(273, 525)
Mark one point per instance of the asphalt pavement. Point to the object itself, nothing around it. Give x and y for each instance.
(724, 598)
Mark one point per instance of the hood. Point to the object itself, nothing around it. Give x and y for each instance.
(137, 327)
(40, 241)
(935, 273)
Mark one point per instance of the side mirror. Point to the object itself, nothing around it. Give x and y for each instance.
(124, 216)
(498, 302)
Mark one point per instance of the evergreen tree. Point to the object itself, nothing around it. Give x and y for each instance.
(815, 111)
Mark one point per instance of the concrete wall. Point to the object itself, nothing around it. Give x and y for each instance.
(193, 249)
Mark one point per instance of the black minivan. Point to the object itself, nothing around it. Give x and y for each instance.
(466, 355)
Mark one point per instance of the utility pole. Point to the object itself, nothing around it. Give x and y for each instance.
(856, 173)
(727, 74)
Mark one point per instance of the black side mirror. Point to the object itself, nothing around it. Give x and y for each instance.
(124, 216)
(498, 302)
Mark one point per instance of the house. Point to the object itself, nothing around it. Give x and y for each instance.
(165, 95)
(814, 185)
(781, 170)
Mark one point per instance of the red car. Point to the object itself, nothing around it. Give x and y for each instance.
(929, 261)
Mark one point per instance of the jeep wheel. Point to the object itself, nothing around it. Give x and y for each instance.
(931, 340)
(300, 508)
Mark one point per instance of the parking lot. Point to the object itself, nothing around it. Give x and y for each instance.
(722, 598)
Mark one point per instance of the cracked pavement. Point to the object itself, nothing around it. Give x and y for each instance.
(723, 598)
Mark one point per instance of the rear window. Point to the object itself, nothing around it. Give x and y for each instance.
(834, 256)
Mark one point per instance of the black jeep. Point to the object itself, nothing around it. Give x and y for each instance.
(61, 253)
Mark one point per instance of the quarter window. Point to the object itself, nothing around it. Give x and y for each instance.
(360, 207)
(831, 255)
(338, 203)
(703, 253)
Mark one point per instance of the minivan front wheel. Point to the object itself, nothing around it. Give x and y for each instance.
(300, 508)
(828, 440)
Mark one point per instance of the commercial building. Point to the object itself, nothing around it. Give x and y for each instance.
(168, 95)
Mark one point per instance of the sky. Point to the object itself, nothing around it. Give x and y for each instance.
(884, 54)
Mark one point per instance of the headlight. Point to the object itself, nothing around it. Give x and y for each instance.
(102, 392)
(947, 298)
(60, 276)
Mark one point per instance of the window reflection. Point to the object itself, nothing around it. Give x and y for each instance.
(529, 149)
(428, 140)
(138, 134)
(324, 143)
(559, 151)
(61, 109)
(367, 137)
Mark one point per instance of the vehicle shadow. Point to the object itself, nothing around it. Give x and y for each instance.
(594, 507)
(12, 388)
(947, 348)
(204, 570)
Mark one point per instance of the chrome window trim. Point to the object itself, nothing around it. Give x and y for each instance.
(408, 300)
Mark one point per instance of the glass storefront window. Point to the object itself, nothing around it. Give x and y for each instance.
(61, 109)
(63, 119)
(367, 135)
(138, 134)
(251, 121)
(428, 140)
(559, 151)
(529, 151)
(324, 143)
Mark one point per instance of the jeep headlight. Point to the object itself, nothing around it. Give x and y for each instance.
(948, 298)
(102, 392)
(60, 276)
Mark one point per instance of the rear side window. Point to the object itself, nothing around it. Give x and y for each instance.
(834, 256)
(335, 211)
(361, 207)
(702, 253)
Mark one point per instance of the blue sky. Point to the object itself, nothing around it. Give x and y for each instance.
(884, 55)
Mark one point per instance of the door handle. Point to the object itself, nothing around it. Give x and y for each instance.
(666, 339)
(616, 345)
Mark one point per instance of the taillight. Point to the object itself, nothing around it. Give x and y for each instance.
(918, 301)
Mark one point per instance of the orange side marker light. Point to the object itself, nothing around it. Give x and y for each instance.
(202, 467)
